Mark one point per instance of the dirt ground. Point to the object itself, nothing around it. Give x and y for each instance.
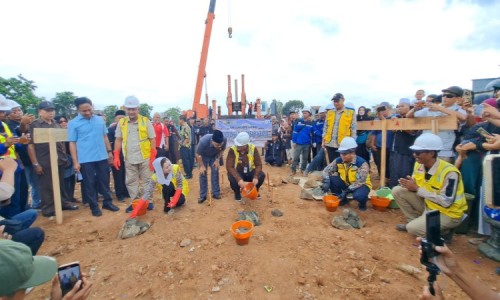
(299, 255)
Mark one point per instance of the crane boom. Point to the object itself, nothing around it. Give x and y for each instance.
(200, 109)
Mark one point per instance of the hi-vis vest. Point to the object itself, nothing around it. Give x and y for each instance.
(434, 185)
(11, 151)
(144, 142)
(344, 128)
(251, 149)
(175, 169)
(349, 173)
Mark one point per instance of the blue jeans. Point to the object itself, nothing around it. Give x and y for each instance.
(31, 237)
(214, 176)
(27, 217)
(337, 185)
(15, 207)
(95, 178)
(36, 201)
(318, 161)
(187, 161)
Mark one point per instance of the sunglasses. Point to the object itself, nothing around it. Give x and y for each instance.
(449, 95)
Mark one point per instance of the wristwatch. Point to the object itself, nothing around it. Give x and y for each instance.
(35, 165)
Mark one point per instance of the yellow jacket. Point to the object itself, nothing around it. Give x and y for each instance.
(344, 128)
(144, 142)
(435, 184)
(251, 162)
(175, 170)
(11, 151)
(348, 173)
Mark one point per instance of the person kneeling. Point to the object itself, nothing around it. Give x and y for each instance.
(274, 150)
(170, 181)
(434, 185)
(243, 164)
(347, 174)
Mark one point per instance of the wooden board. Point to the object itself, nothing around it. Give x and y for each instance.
(424, 123)
(41, 135)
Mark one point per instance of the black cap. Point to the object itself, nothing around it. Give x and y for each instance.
(454, 90)
(46, 105)
(120, 112)
(217, 136)
(337, 97)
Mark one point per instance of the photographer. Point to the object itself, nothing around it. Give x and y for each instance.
(434, 185)
(472, 286)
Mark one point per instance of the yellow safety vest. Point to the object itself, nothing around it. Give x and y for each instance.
(144, 142)
(349, 173)
(434, 185)
(344, 128)
(175, 169)
(251, 162)
(11, 151)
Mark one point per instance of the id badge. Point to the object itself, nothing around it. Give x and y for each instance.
(245, 170)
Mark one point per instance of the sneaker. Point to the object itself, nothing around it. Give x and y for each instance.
(237, 197)
(151, 206)
(401, 227)
(201, 200)
(49, 214)
(71, 207)
(110, 206)
(129, 209)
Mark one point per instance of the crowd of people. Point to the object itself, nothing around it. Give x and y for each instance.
(426, 171)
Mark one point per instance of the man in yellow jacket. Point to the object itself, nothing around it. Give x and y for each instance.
(135, 138)
(434, 185)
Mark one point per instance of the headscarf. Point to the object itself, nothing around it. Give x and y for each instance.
(160, 176)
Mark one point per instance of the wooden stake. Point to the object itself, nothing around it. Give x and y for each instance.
(327, 156)
(55, 177)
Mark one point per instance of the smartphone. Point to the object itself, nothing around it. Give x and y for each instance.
(483, 132)
(491, 171)
(478, 110)
(69, 274)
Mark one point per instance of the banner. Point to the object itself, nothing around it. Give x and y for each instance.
(258, 129)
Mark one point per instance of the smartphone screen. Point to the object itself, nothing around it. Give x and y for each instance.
(433, 227)
(483, 132)
(478, 110)
(69, 275)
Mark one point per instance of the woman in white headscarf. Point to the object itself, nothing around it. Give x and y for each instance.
(171, 183)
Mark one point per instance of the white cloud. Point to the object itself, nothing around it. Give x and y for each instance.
(368, 50)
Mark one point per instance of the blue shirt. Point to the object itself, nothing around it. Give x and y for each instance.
(89, 137)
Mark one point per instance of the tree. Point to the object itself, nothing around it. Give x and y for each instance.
(145, 110)
(292, 105)
(20, 90)
(109, 111)
(63, 102)
(173, 113)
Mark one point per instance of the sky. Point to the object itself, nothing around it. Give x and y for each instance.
(368, 50)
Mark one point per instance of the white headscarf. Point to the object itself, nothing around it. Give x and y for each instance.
(159, 171)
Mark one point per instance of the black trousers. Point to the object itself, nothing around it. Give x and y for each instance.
(31, 237)
(168, 191)
(119, 180)
(248, 177)
(332, 153)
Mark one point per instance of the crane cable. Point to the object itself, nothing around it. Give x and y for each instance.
(229, 28)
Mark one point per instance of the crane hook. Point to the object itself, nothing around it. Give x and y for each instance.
(230, 31)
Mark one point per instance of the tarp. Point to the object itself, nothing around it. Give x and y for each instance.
(258, 129)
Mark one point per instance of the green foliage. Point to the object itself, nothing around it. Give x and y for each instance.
(145, 110)
(292, 105)
(20, 90)
(173, 114)
(63, 102)
(109, 112)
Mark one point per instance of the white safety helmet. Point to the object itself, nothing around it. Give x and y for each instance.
(427, 141)
(242, 139)
(306, 108)
(322, 109)
(347, 144)
(13, 104)
(329, 106)
(131, 102)
(4, 103)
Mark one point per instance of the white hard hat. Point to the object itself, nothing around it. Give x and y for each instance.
(306, 108)
(13, 104)
(329, 106)
(348, 143)
(427, 141)
(4, 103)
(322, 109)
(131, 102)
(242, 139)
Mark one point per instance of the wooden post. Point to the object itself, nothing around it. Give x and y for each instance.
(383, 158)
(52, 136)
(434, 125)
